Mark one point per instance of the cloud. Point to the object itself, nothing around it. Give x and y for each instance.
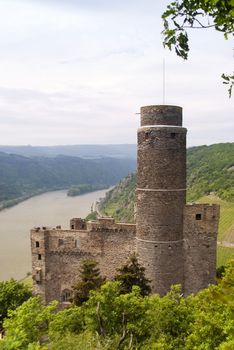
(78, 71)
(131, 6)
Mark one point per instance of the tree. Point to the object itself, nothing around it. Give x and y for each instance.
(90, 279)
(133, 274)
(113, 320)
(12, 295)
(220, 271)
(182, 15)
(28, 325)
(70, 320)
(169, 320)
(213, 325)
(116, 317)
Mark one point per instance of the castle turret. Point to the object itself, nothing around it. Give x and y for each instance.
(161, 195)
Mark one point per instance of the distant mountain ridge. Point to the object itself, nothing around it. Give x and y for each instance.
(81, 151)
(21, 177)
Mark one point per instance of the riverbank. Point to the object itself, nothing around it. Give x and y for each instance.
(12, 202)
(71, 192)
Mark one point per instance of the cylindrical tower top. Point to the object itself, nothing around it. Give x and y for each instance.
(161, 115)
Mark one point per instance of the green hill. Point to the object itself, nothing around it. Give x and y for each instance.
(21, 177)
(211, 169)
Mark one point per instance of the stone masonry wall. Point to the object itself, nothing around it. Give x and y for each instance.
(200, 242)
(161, 192)
(61, 253)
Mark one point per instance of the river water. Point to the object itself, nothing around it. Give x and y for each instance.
(48, 209)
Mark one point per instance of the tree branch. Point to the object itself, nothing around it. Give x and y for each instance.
(202, 27)
(100, 321)
(130, 342)
(124, 323)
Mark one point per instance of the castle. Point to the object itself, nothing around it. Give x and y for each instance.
(175, 242)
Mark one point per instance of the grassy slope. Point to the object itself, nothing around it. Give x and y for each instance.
(226, 227)
(226, 223)
(224, 255)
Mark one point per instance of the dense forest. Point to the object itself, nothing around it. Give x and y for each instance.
(114, 319)
(83, 188)
(21, 177)
(210, 170)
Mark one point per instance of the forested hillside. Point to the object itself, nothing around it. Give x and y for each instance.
(21, 177)
(210, 170)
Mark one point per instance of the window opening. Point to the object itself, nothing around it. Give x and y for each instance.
(198, 216)
(38, 276)
(66, 295)
(60, 242)
(147, 135)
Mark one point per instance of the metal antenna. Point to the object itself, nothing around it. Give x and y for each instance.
(164, 81)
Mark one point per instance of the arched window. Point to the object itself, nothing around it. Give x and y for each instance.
(66, 295)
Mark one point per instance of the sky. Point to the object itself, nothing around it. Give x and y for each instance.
(78, 71)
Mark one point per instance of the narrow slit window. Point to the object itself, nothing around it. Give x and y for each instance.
(60, 242)
(37, 244)
(39, 256)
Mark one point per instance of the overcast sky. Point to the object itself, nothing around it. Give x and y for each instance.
(78, 71)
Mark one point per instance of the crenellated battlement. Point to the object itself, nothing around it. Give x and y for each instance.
(105, 224)
(202, 211)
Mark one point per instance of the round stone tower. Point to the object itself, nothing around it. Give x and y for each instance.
(161, 192)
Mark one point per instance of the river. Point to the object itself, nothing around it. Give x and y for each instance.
(48, 209)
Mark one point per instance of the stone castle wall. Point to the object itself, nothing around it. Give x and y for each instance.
(57, 254)
(200, 242)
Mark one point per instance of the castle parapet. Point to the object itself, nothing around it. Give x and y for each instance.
(78, 224)
(203, 217)
(108, 224)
